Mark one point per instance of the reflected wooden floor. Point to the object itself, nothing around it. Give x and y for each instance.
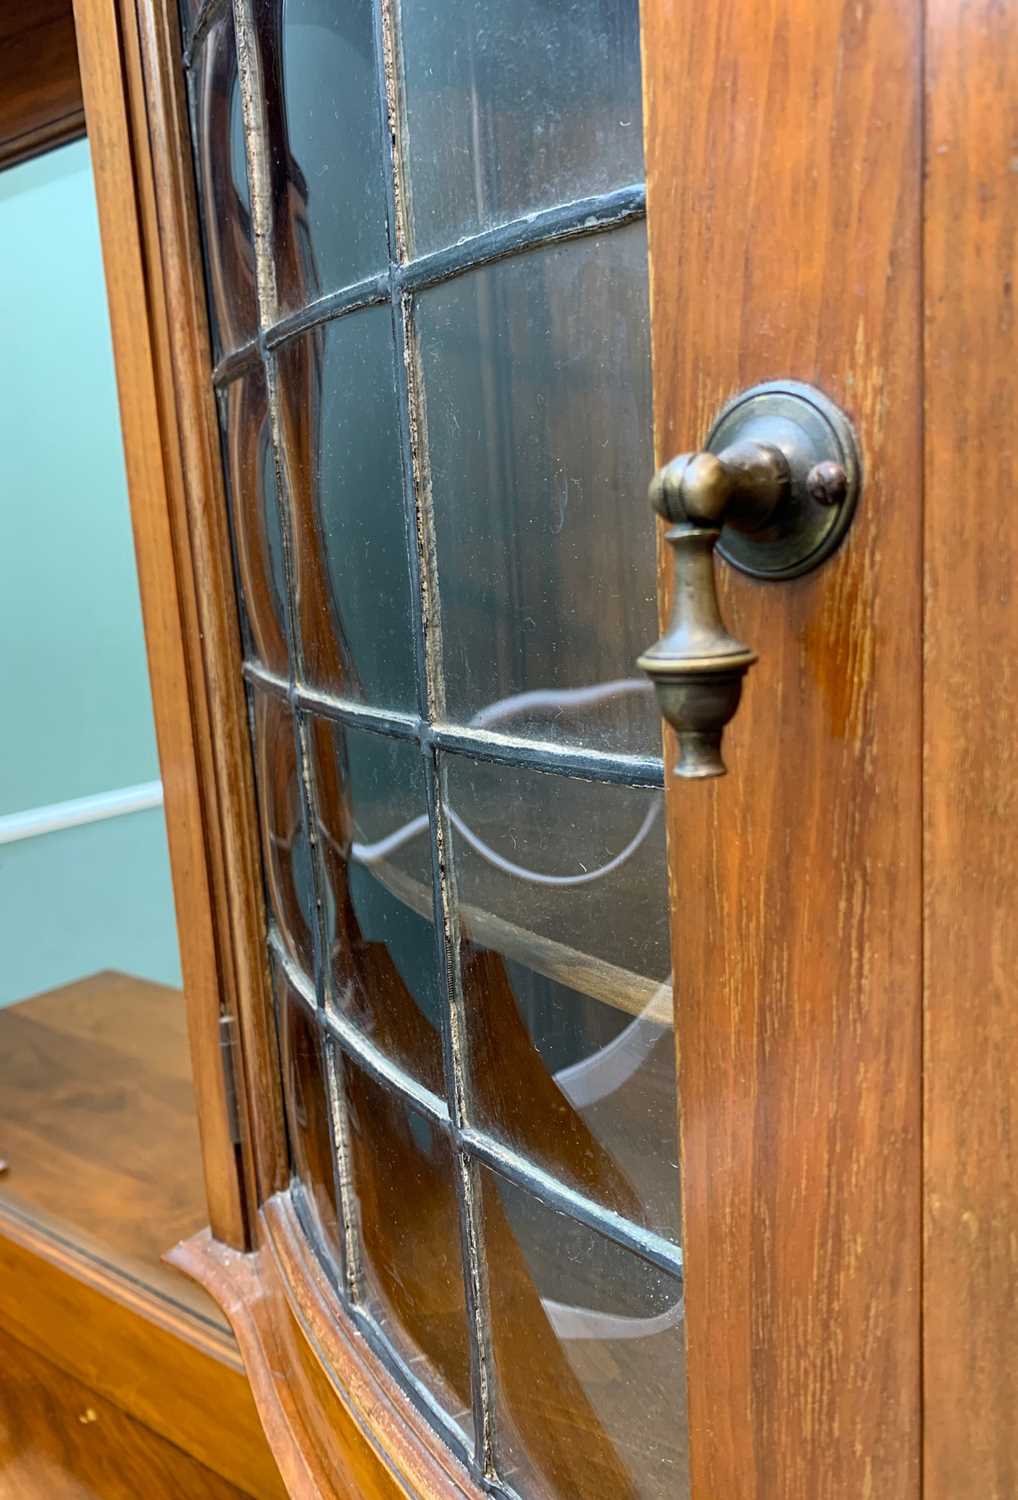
(98, 1127)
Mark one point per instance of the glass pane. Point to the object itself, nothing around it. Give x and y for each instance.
(536, 374)
(533, 448)
(307, 1110)
(325, 145)
(589, 1350)
(565, 967)
(254, 512)
(383, 973)
(285, 852)
(516, 107)
(98, 1127)
(337, 403)
(404, 1181)
(189, 10)
(222, 184)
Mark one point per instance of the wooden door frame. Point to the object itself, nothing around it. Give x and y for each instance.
(137, 125)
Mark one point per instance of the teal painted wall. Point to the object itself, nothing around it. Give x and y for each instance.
(73, 676)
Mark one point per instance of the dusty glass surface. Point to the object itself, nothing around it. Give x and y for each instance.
(589, 1354)
(255, 521)
(221, 169)
(382, 971)
(404, 1184)
(307, 1120)
(285, 853)
(536, 385)
(337, 409)
(565, 968)
(189, 10)
(522, 419)
(325, 145)
(515, 107)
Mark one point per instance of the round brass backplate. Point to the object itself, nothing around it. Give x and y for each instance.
(812, 520)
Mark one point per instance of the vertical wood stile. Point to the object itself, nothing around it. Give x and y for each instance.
(110, 72)
(784, 199)
(970, 1291)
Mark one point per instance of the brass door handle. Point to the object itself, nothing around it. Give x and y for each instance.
(774, 491)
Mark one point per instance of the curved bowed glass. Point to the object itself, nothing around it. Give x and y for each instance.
(434, 381)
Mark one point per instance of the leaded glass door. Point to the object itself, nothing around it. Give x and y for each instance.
(427, 269)
(457, 1267)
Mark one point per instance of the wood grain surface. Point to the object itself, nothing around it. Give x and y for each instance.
(154, 1360)
(783, 155)
(204, 562)
(40, 87)
(970, 1308)
(103, 1176)
(99, 1128)
(61, 1440)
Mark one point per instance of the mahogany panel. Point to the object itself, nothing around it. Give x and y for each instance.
(970, 1302)
(784, 176)
(40, 87)
(59, 1440)
(103, 1176)
(158, 1361)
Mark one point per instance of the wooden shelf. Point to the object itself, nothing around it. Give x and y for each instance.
(636, 994)
(98, 1126)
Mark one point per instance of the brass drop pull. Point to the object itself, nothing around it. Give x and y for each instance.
(697, 667)
(774, 492)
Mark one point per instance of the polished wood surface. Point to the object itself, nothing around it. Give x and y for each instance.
(784, 175)
(103, 1177)
(98, 1124)
(153, 428)
(61, 1440)
(970, 1269)
(155, 1359)
(337, 1410)
(212, 636)
(40, 87)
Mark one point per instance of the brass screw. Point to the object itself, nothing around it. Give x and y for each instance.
(827, 483)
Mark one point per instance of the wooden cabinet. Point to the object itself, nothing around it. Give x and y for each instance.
(387, 483)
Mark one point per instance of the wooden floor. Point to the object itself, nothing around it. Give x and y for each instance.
(97, 1125)
(59, 1440)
